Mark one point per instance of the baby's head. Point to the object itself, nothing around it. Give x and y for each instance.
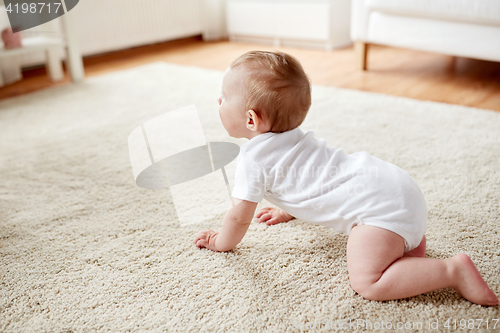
(266, 92)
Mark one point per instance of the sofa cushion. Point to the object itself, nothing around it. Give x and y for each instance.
(472, 11)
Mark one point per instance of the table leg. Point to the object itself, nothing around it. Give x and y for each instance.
(54, 65)
(10, 71)
(227, 185)
(74, 58)
(1, 75)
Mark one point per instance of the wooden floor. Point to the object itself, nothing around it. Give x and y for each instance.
(399, 72)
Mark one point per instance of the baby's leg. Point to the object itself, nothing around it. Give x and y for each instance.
(378, 270)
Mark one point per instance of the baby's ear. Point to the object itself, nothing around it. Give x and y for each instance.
(252, 120)
(255, 122)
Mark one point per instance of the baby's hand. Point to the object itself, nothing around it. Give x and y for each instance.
(207, 239)
(273, 216)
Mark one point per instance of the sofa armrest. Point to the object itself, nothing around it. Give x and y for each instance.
(359, 20)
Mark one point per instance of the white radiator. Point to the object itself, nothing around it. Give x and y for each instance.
(307, 23)
(108, 25)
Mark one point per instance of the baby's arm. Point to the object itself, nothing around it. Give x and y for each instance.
(234, 226)
(273, 216)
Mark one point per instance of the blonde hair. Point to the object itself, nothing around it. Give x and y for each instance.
(277, 88)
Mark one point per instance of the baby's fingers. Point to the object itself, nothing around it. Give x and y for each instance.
(202, 235)
(263, 211)
(197, 239)
(265, 217)
(273, 221)
(201, 243)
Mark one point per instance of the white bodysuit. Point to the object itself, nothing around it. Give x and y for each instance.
(325, 186)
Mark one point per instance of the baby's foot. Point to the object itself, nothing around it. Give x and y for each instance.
(419, 251)
(470, 283)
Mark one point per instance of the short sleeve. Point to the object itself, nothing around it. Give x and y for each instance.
(250, 181)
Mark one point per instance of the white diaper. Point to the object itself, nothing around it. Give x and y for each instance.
(411, 231)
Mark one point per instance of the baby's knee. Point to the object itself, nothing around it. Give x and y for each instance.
(365, 288)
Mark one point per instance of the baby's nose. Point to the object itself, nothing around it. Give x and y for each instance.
(220, 100)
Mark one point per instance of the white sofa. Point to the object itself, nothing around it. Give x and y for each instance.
(465, 28)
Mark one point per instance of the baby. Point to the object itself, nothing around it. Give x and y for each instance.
(265, 97)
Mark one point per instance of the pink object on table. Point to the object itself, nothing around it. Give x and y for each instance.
(11, 40)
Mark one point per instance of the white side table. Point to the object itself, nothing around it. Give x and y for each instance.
(31, 44)
(10, 69)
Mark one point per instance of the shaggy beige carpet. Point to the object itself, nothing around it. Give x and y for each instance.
(84, 249)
